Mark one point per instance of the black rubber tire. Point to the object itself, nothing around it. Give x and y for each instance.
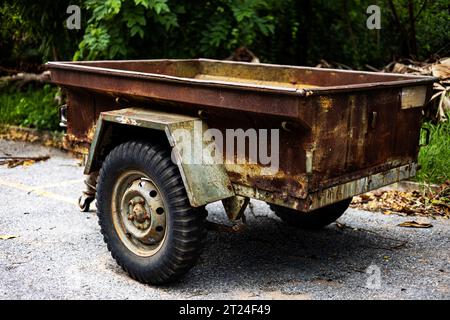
(185, 225)
(312, 220)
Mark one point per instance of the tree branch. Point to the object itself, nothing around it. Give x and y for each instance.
(420, 10)
(24, 78)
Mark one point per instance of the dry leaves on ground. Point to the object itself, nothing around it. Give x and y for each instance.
(422, 203)
(14, 133)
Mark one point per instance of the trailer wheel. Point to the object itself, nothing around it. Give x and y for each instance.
(145, 217)
(316, 219)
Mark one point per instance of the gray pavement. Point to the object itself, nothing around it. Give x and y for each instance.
(59, 253)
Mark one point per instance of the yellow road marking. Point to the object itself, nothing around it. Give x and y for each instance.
(59, 184)
(36, 191)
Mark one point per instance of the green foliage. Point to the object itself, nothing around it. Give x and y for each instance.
(114, 24)
(36, 29)
(134, 28)
(297, 32)
(291, 31)
(434, 159)
(423, 31)
(236, 23)
(35, 107)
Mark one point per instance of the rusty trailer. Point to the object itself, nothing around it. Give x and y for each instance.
(335, 133)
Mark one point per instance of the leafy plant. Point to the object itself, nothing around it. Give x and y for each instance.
(300, 32)
(114, 24)
(37, 29)
(236, 23)
(434, 159)
(34, 107)
(123, 28)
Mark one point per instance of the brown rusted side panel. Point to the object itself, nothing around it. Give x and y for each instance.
(81, 114)
(366, 131)
(291, 179)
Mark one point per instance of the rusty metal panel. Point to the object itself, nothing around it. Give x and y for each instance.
(95, 146)
(81, 113)
(147, 118)
(205, 180)
(362, 185)
(276, 104)
(204, 183)
(332, 194)
(354, 134)
(259, 88)
(292, 80)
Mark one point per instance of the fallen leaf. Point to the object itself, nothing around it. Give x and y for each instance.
(340, 225)
(28, 163)
(7, 236)
(415, 224)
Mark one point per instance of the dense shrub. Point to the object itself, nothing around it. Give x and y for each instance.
(33, 107)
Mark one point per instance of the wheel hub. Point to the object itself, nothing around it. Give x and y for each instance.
(143, 212)
(137, 213)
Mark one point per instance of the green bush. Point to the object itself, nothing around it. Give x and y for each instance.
(434, 159)
(299, 32)
(34, 107)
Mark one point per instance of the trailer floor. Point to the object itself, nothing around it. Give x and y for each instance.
(58, 252)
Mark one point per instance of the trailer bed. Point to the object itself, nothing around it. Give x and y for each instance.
(337, 128)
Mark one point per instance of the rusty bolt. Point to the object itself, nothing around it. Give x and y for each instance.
(141, 226)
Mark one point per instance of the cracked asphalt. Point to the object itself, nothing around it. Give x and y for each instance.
(58, 252)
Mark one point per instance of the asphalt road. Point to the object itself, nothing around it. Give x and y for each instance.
(58, 252)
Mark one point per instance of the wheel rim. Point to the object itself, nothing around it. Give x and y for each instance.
(139, 213)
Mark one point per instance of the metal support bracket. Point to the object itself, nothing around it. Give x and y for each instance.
(235, 207)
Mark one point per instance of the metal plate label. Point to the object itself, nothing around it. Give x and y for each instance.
(413, 97)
